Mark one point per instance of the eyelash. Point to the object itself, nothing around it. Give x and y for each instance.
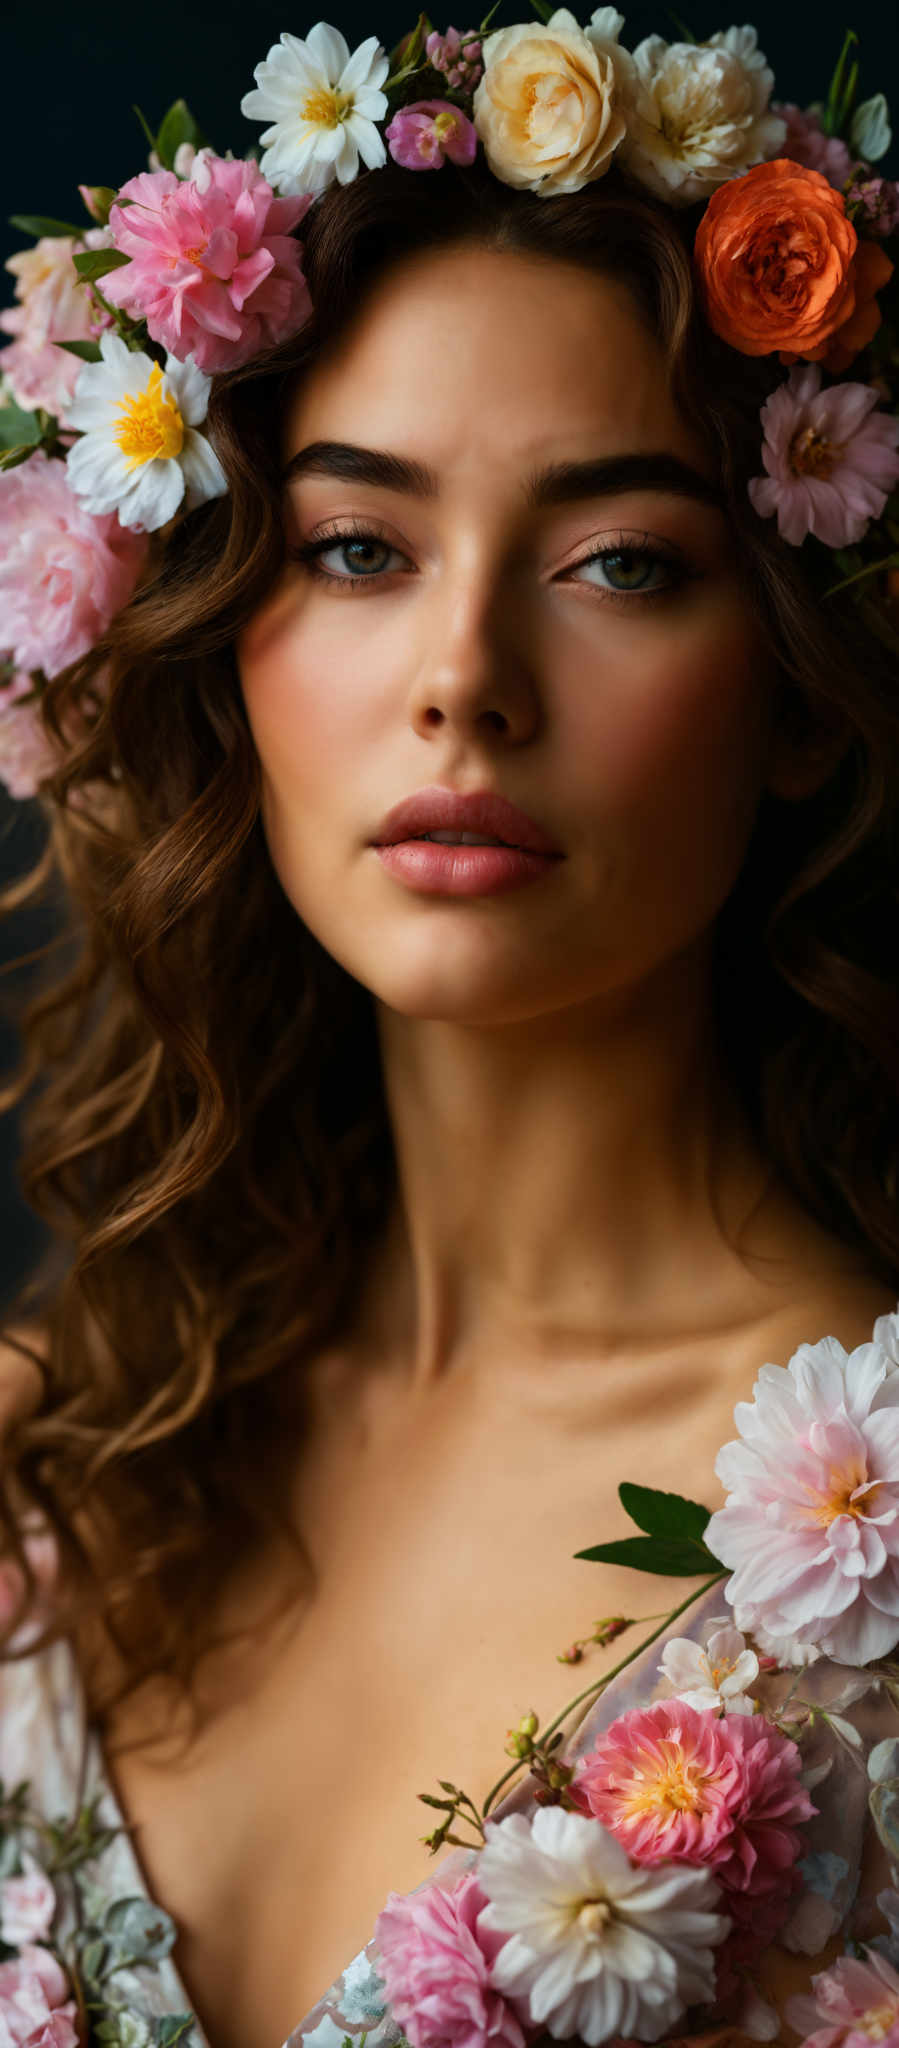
(677, 571)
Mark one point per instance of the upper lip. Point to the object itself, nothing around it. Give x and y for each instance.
(444, 810)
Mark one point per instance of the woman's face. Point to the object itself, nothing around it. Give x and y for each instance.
(586, 653)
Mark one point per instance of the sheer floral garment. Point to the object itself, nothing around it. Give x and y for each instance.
(44, 1737)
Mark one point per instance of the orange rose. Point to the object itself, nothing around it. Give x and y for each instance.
(774, 253)
(871, 270)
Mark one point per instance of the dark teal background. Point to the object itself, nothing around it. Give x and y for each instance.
(70, 75)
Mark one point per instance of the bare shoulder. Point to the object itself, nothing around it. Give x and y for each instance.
(21, 1381)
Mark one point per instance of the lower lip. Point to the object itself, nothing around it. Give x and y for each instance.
(438, 870)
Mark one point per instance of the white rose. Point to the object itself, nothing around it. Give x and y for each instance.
(700, 114)
(550, 107)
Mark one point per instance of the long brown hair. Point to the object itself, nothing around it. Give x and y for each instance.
(206, 1133)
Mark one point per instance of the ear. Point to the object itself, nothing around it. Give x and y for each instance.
(807, 744)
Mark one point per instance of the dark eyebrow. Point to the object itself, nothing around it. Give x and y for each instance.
(559, 484)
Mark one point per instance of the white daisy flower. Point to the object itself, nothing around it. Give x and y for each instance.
(140, 451)
(716, 1676)
(599, 1946)
(323, 105)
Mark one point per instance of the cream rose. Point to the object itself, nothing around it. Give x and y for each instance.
(550, 108)
(700, 114)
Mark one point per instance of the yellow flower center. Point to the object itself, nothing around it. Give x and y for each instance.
(878, 2021)
(846, 1492)
(149, 424)
(813, 454)
(326, 106)
(444, 124)
(593, 1915)
(676, 1787)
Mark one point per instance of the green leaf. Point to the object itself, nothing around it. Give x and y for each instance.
(871, 134)
(36, 224)
(87, 351)
(837, 85)
(145, 126)
(93, 1958)
(664, 1514)
(18, 429)
(177, 126)
(672, 1560)
(96, 262)
(172, 2027)
(685, 33)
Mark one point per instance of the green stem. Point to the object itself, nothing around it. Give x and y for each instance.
(871, 569)
(600, 1684)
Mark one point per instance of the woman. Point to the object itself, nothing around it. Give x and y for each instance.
(419, 1197)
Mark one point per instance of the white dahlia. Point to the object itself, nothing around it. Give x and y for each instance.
(599, 1946)
(810, 1528)
(700, 114)
(140, 451)
(322, 104)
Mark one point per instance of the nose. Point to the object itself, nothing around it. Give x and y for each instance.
(474, 675)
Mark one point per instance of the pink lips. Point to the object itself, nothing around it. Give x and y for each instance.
(443, 810)
(434, 869)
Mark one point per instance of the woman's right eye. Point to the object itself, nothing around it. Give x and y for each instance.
(356, 542)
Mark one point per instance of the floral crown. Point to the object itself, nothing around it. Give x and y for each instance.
(104, 391)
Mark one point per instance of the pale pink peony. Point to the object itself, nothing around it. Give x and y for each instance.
(27, 1905)
(64, 571)
(35, 2009)
(680, 1786)
(831, 458)
(422, 135)
(461, 65)
(436, 1966)
(214, 269)
(27, 755)
(810, 1528)
(54, 306)
(807, 144)
(853, 2004)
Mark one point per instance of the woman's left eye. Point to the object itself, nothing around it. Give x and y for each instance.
(638, 570)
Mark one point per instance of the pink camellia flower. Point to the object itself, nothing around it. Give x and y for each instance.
(831, 459)
(64, 571)
(677, 1785)
(214, 268)
(423, 135)
(35, 2009)
(853, 2004)
(436, 1966)
(461, 64)
(807, 144)
(54, 306)
(810, 1528)
(27, 1905)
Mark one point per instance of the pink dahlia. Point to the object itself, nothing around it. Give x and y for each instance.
(807, 144)
(677, 1785)
(35, 2009)
(423, 135)
(831, 459)
(214, 268)
(810, 1527)
(436, 1967)
(64, 571)
(853, 2004)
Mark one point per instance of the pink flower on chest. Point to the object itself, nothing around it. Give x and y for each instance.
(35, 2009)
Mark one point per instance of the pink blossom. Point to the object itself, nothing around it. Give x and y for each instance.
(461, 66)
(53, 307)
(436, 1965)
(27, 755)
(39, 1542)
(214, 268)
(810, 1528)
(831, 459)
(423, 135)
(853, 2004)
(807, 144)
(877, 201)
(64, 571)
(27, 1905)
(35, 2010)
(16, 683)
(681, 1786)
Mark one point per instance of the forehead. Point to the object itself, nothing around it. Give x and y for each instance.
(492, 359)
